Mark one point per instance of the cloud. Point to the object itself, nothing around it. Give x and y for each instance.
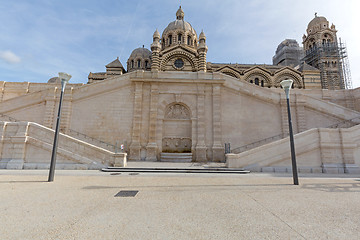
(9, 57)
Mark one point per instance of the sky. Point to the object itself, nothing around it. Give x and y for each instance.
(40, 38)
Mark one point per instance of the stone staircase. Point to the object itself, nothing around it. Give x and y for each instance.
(342, 124)
(175, 157)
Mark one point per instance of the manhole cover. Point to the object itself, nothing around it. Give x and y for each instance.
(127, 193)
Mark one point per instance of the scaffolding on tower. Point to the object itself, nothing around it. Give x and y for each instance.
(321, 56)
(345, 65)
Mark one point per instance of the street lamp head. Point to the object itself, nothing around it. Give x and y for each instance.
(64, 78)
(286, 84)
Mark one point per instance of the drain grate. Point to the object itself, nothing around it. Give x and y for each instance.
(128, 193)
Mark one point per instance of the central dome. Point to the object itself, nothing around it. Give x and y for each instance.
(179, 32)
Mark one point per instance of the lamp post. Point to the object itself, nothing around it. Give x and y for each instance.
(286, 84)
(64, 78)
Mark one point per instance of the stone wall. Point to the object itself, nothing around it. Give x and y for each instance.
(317, 150)
(27, 145)
(133, 110)
(10, 90)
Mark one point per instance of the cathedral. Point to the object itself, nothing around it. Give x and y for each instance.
(171, 104)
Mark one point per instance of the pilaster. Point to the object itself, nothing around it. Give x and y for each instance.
(300, 113)
(50, 104)
(66, 110)
(14, 141)
(217, 148)
(151, 148)
(284, 116)
(200, 146)
(135, 140)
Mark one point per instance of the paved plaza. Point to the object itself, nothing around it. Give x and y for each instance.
(82, 205)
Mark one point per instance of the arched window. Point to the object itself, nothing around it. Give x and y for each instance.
(251, 81)
(262, 83)
(146, 63)
(189, 40)
(170, 39)
(257, 81)
(179, 38)
(163, 43)
(138, 63)
(132, 63)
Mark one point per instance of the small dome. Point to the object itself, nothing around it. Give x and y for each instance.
(139, 59)
(140, 53)
(292, 43)
(54, 80)
(321, 22)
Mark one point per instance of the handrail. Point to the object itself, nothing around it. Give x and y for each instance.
(10, 118)
(336, 125)
(100, 142)
(108, 145)
(283, 135)
(242, 148)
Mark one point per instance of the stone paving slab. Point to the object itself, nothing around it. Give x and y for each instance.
(82, 205)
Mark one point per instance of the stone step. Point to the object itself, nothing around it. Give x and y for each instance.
(177, 170)
(176, 157)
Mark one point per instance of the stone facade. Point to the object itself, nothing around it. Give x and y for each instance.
(181, 104)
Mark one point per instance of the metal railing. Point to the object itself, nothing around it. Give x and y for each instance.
(73, 133)
(259, 143)
(11, 119)
(96, 142)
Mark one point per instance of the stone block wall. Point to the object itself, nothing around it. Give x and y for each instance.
(317, 150)
(27, 145)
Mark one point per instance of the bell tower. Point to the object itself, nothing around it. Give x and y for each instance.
(323, 52)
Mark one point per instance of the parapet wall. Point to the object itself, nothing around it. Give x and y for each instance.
(10, 90)
(317, 150)
(27, 145)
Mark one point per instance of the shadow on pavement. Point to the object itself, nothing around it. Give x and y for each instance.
(333, 187)
(188, 186)
(15, 181)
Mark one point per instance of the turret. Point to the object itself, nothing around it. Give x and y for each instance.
(155, 49)
(202, 50)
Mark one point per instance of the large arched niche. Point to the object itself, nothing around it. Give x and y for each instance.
(177, 129)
